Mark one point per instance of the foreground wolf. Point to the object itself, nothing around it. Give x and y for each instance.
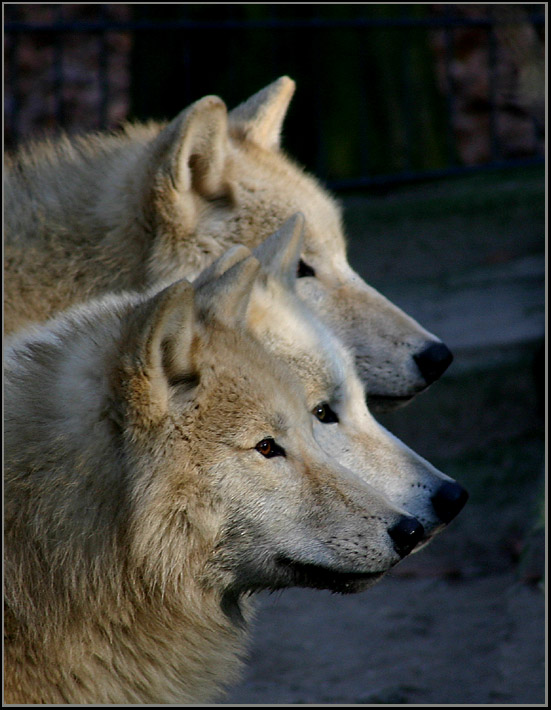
(159, 467)
(342, 423)
(106, 213)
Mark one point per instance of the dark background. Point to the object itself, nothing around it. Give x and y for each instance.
(386, 91)
(427, 121)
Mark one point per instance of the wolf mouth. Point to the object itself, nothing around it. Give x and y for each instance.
(322, 577)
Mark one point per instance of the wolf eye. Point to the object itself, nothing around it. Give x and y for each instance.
(269, 449)
(304, 269)
(325, 414)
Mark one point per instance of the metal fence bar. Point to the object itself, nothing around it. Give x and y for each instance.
(298, 24)
(492, 82)
(447, 23)
(321, 149)
(58, 79)
(103, 77)
(407, 103)
(450, 97)
(14, 79)
(365, 149)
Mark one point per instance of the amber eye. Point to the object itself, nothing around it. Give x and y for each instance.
(269, 448)
(303, 269)
(325, 414)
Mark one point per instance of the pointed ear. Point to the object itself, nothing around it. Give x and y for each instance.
(157, 345)
(225, 298)
(279, 254)
(191, 151)
(260, 118)
(230, 257)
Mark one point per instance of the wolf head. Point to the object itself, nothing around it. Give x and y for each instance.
(342, 423)
(181, 451)
(216, 179)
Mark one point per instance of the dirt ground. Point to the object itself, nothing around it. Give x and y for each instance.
(418, 640)
(463, 621)
(460, 622)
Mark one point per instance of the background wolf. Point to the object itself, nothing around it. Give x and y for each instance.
(157, 202)
(160, 466)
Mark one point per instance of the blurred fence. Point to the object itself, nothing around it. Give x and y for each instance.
(381, 98)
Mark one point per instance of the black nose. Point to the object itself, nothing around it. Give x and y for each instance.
(433, 361)
(407, 532)
(448, 500)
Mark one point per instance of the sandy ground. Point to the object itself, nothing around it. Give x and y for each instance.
(460, 622)
(408, 640)
(463, 621)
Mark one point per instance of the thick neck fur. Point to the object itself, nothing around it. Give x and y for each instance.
(103, 626)
(91, 215)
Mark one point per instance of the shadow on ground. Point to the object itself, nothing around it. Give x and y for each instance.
(463, 620)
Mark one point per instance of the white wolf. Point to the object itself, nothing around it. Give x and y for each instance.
(155, 202)
(343, 425)
(159, 467)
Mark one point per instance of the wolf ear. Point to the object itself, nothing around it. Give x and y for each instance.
(225, 298)
(191, 151)
(279, 254)
(230, 257)
(260, 118)
(158, 341)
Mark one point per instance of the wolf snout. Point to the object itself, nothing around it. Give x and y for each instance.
(448, 500)
(406, 533)
(433, 361)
